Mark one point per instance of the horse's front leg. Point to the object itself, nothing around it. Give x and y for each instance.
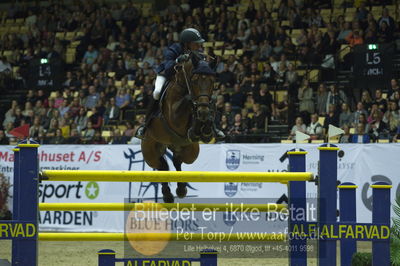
(194, 132)
(181, 190)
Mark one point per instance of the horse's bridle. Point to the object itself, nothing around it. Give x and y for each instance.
(195, 100)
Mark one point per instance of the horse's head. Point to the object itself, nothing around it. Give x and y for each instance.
(200, 83)
(199, 79)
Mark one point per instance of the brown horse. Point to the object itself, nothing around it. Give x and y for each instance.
(186, 117)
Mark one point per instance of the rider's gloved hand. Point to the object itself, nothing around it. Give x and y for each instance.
(182, 58)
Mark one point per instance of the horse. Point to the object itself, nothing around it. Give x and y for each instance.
(185, 117)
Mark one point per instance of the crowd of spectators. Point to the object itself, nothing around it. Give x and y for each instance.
(119, 48)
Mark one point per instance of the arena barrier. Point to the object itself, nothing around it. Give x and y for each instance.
(23, 229)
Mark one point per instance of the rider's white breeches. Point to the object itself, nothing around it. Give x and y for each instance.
(160, 80)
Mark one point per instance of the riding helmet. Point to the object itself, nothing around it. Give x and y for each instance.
(190, 35)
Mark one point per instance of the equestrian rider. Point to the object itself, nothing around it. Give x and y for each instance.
(190, 40)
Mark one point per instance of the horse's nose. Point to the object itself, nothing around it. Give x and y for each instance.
(203, 113)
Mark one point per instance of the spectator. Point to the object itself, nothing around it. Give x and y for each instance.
(226, 76)
(18, 117)
(28, 107)
(322, 98)
(129, 131)
(64, 108)
(345, 137)
(378, 128)
(88, 134)
(291, 77)
(96, 119)
(305, 97)
(238, 128)
(3, 139)
(331, 118)
(380, 101)
(281, 109)
(81, 120)
(354, 38)
(90, 55)
(51, 132)
(366, 100)
(58, 100)
(58, 138)
(335, 97)
(394, 87)
(36, 128)
(264, 98)
(112, 112)
(396, 137)
(387, 19)
(245, 118)
(360, 136)
(8, 128)
(315, 129)
(141, 99)
(38, 108)
(97, 138)
(92, 99)
(359, 111)
(74, 137)
(123, 99)
(237, 97)
(258, 121)
(299, 126)
(392, 117)
(222, 91)
(345, 117)
(224, 124)
(117, 138)
(228, 112)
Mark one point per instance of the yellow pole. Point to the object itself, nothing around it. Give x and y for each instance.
(173, 176)
(161, 237)
(150, 206)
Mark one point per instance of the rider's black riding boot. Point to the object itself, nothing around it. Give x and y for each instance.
(153, 105)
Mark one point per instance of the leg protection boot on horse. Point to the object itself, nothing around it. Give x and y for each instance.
(167, 195)
(219, 135)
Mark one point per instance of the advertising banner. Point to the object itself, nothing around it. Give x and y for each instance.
(360, 164)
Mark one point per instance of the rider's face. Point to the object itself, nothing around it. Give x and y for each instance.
(194, 46)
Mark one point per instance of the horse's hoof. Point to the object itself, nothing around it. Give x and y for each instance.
(181, 190)
(167, 195)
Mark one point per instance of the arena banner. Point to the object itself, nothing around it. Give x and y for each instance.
(360, 164)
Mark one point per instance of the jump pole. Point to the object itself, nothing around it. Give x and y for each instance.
(173, 176)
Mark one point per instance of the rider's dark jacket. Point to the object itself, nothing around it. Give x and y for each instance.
(166, 68)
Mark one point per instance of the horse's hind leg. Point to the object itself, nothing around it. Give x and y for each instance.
(166, 191)
(153, 154)
(181, 190)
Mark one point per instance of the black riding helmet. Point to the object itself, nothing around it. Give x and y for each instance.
(190, 35)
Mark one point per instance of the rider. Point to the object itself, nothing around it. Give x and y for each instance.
(189, 40)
